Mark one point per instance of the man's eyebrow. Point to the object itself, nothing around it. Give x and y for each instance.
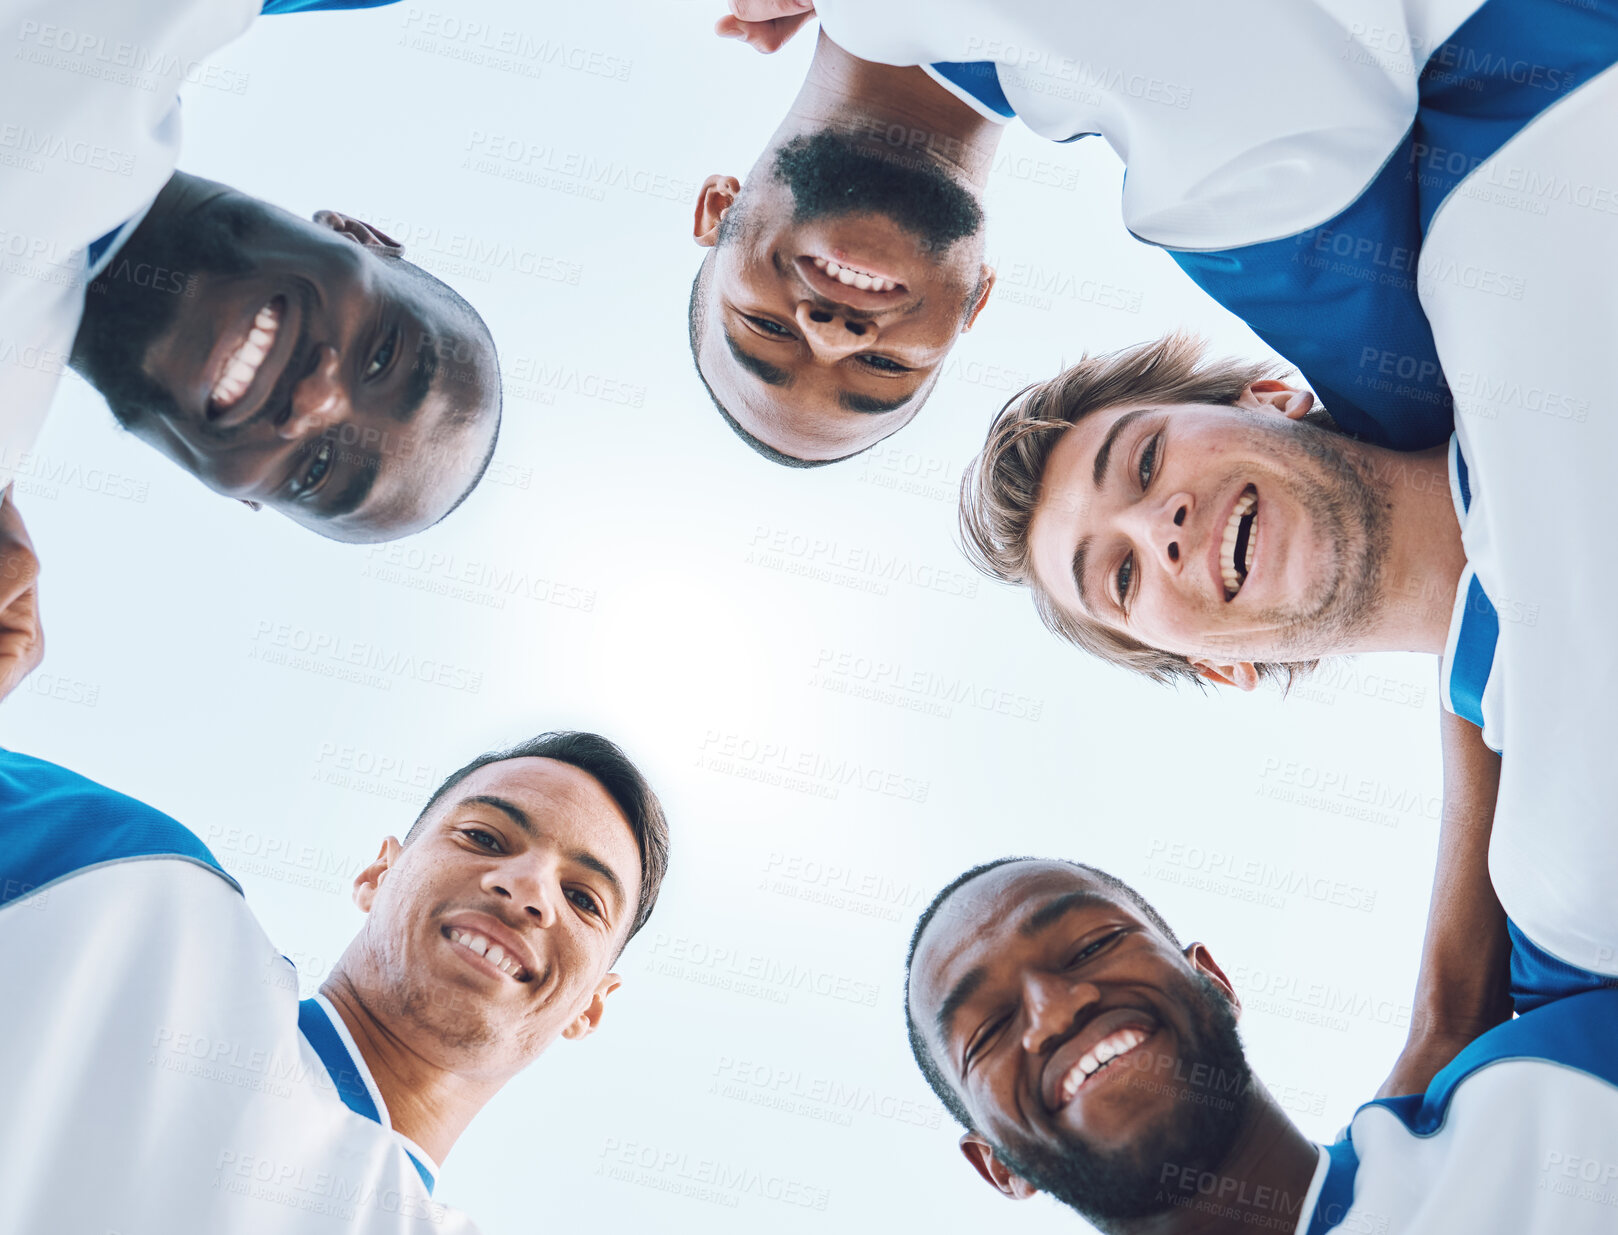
(964, 990)
(511, 810)
(1054, 910)
(851, 402)
(589, 860)
(763, 370)
(1105, 453)
(1081, 555)
(419, 381)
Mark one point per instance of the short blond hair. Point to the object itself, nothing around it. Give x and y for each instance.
(1001, 486)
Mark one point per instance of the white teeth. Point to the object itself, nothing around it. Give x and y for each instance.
(243, 365)
(491, 952)
(1093, 1060)
(1227, 548)
(855, 278)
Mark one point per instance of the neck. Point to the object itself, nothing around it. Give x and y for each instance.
(901, 107)
(1259, 1186)
(1425, 557)
(426, 1101)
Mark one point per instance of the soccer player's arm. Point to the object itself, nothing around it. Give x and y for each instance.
(1464, 986)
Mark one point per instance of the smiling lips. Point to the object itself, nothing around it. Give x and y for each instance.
(1114, 1046)
(243, 365)
(1236, 550)
(489, 951)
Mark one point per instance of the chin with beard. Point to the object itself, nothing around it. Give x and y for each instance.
(122, 317)
(1348, 507)
(831, 175)
(1115, 1186)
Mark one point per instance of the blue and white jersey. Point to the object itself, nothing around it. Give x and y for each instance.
(1288, 153)
(89, 134)
(1517, 1136)
(160, 1073)
(1521, 289)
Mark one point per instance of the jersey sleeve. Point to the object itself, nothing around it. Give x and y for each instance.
(55, 823)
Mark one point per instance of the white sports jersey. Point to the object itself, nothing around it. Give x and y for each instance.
(1517, 1136)
(89, 132)
(1520, 280)
(1289, 153)
(160, 1073)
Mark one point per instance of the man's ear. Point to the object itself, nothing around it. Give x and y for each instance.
(369, 880)
(588, 1021)
(717, 195)
(1241, 674)
(1273, 396)
(1203, 962)
(996, 1173)
(360, 232)
(987, 278)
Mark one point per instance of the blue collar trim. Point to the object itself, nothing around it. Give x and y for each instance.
(1473, 657)
(1337, 1190)
(316, 1026)
(981, 80)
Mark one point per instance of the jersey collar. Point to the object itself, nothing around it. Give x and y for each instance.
(1474, 629)
(324, 1030)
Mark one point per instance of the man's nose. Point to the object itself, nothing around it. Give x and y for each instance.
(1053, 1002)
(529, 887)
(1160, 528)
(831, 334)
(320, 399)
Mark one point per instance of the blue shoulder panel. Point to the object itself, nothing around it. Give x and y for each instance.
(1340, 300)
(306, 6)
(1574, 1032)
(980, 79)
(54, 822)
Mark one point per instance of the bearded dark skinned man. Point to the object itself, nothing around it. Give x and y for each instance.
(1090, 1055)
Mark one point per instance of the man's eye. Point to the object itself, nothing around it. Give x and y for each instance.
(1089, 950)
(384, 356)
(883, 364)
(319, 465)
(983, 1041)
(1148, 461)
(481, 838)
(584, 901)
(768, 327)
(1126, 576)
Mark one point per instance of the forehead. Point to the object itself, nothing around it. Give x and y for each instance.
(565, 805)
(979, 921)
